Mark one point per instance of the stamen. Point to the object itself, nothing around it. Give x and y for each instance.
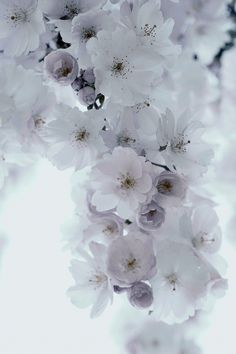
(172, 280)
(131, 263)
(98, 279)
(179, 144)
(72, 10)
(127, 182)
(19, 16)
(39, 122)
(120, 67)
(82, 135)
(64, 71)
(201, 239)
(125, 140)
(164, 186)
(149, 31)
(88, 33)
(109, 230)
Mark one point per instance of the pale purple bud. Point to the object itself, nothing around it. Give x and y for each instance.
(171, 185)
(61, 67)
(89, 76)
(86, 95)
(150, 217)
(140, 295)
(78, 84)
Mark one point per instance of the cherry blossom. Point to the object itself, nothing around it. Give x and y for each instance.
(125, 182)
(21, 24)
(92, 285)
(131, 259)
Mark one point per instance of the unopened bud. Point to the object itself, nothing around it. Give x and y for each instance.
(89, 77)
(86, 95)
(140, 295)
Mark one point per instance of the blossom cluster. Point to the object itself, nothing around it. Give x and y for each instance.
(113, 90)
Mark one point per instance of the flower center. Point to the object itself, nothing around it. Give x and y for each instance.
(150, 214)
(125, 140)
(202, 239)
(120, 67)
(109, 230)
(127, 182)
(88, 33)
(39, 123)
(172, 279)
(164, 186)
(20, 16)
(98, 279)
(178, 145)
(131, 263)
(71, 10)
(142, 105)
(149, 31)
(64, 71)
(82, 135)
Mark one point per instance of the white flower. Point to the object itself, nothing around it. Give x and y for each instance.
(143, 116)
(103, 228)
(19, 89)
(150, 216)
(202, 229)
(131, 259)
(171, 189)
(75, 137)
(92, 286)
(25, 104)
(124, 71)
(146, 19)
(179, 141)
(86, 26)
(63, 12)
(181, 282)
(21, 23)
(40, 115)
(122, 181)
(123, 132)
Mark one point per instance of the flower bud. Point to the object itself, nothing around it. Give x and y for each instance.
(140, 295)
(86, 95)
(171, 185)
(61, 67)
(89, 77)
(150, 217)
(77, 84)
